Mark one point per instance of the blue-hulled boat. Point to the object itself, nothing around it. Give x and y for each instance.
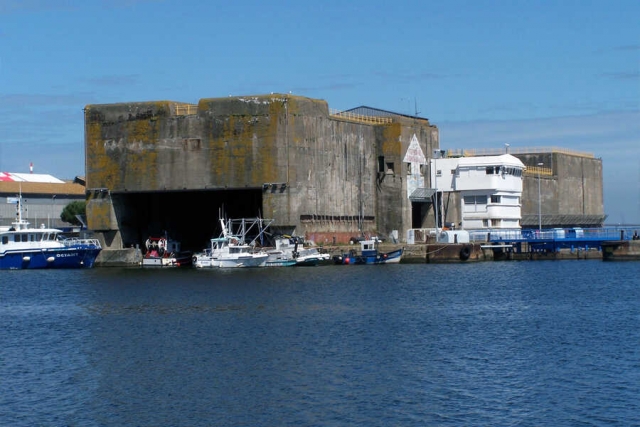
(369, 254)
(24, 247)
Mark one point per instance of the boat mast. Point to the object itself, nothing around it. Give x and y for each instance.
(19, 223)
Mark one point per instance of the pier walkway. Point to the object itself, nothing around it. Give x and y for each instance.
(553, 240)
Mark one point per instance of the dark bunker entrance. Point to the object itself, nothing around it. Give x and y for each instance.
(189, 217)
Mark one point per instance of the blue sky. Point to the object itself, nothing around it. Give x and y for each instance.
(539, 73)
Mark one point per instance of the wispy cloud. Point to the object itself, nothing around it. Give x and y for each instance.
(631, 47)
(556, 130)
(30, 6)
(126, 3)
(633, 75)
(621, 48)
(114, 80)
(410, 77)
(17, 6)
(327, 87)
(17, 101)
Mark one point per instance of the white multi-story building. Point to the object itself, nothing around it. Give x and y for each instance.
(489, 189)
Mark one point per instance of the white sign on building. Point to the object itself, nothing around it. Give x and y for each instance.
(415, 157)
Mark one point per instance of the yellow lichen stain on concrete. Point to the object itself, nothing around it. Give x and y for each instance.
(139, 130)
(391, 144)
(141, 166)
(243, 153)
(99, 215)
(100, 167)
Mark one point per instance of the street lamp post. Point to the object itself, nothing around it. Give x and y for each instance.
(53, 198)
(539, 200)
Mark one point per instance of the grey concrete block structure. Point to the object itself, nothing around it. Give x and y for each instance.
(328, 176)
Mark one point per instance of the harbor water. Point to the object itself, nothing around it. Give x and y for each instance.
(484, 344)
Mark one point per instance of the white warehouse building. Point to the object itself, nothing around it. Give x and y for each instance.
(489, 190)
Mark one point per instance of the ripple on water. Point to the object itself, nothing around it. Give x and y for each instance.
(514, 343)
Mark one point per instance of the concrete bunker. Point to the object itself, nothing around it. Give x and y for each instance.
(327, 175)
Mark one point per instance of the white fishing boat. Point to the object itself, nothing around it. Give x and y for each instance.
(228, 253)
(290, 251)
(310, 257)
(25, 247)
(231, 250)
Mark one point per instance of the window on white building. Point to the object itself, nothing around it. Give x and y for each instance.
(511, 223)
(495, 198)
(475, 203)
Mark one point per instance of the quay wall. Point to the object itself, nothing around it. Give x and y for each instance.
(627, 250)
(435, 253)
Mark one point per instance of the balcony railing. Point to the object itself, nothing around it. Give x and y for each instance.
(361, 118)
(186, 109)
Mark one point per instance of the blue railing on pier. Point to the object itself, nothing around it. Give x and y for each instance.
(556, 238)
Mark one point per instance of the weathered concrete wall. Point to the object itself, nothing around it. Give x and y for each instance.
(317, 173)
(145, 147)
(394, 206)
(548, 186)
(331, 172)
(570, 187)
(580, 184)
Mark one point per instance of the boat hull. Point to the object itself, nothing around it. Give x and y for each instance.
(235, 262)
(393, 257)
(49, 258)
(311, 260)
(280, 263)
(185, 260)
(254, 261)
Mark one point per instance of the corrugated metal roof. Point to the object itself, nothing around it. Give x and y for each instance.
(12, 188)
(422, 194)
(559, 220)
(29, 177)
